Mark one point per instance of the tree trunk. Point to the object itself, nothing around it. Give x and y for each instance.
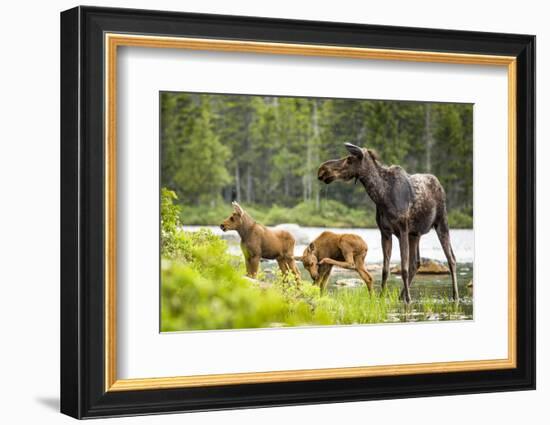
(307, 175)
(428, 136)
(249, 194)
(238, 182)
(316, 137)
(287, 184)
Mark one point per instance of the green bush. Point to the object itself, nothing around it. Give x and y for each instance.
(204, 288)
(214, 296)
(169, 222)
(460, 219)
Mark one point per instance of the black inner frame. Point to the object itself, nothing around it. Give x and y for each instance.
(82, 212)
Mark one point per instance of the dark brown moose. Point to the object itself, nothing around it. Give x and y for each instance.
(330, 249)
(258, 241)
(407, 206)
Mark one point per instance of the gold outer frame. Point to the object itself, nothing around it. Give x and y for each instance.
(113, 41)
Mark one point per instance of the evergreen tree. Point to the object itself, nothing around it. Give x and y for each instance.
(195, 158)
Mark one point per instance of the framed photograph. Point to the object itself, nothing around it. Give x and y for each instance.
(261, 212)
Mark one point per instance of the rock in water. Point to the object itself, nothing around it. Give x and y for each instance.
(427, 266)
(295, 230)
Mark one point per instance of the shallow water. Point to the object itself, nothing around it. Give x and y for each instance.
(435, 289)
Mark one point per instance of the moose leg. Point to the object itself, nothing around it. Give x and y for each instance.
(291, 266)
(414, 259)
(283, 266)
(386, 250)
(349, 262)
(252, 265)
(442, 230)
(404, 247)
(362, 270)
(320, 274)
(324, 274)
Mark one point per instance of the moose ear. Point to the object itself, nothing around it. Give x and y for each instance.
(354, 150)
(237, 208)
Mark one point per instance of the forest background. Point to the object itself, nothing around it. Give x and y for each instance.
(264, 152)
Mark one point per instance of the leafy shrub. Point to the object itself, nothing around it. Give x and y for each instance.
(460, 220)
(170, 222)
(214, 296)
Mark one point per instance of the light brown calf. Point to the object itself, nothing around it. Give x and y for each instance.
(330, 249)
(258, 241)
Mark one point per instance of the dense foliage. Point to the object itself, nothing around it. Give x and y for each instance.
(265, 151)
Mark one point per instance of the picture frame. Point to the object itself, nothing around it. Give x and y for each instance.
(90, 39)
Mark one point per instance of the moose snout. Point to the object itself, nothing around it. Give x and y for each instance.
(325, 173)
(322, 174)
(222, 226)
(325, 176)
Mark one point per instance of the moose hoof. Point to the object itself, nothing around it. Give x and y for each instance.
(406, 298)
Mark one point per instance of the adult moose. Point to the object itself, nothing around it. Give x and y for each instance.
(407, 206)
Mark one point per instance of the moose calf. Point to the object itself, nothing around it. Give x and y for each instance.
(257, 241)
(342, 250)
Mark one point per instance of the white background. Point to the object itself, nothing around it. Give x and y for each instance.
(29, 221)
(145, 72)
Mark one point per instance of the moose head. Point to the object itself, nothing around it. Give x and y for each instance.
(355, 165)
(235, 220)
(310, 261)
